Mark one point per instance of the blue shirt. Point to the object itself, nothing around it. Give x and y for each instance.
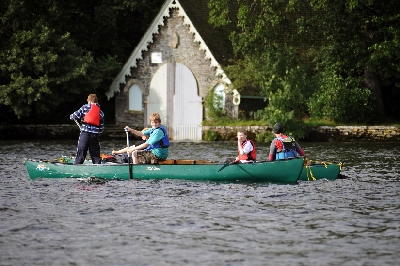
(80, 114)
(156, 136)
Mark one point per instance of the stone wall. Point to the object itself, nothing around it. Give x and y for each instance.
(348, 133)
(323, 133)
(32, 132)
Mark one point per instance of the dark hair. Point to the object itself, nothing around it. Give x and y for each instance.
(278, 128)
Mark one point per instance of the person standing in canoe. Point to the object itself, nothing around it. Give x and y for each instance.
(91, 124)
(156, 146)
(246, 148)
(283, 146)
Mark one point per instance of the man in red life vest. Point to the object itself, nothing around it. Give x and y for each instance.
(283, 146)
(246, 148)
(91, 127)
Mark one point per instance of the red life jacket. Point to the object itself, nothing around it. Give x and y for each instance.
(251, 155)
(93, 116)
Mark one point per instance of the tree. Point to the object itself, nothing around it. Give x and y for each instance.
(57, 52)
(273, 56)
(277, 40)
(363, 40)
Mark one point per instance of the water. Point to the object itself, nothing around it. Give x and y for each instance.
(351, 221)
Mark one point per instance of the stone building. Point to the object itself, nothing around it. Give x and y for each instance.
(176, 64)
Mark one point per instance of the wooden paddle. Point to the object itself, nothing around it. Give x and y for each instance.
(129, 154)
(77, 124)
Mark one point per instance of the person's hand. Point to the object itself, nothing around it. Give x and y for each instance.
(113, 152)
(127, 128)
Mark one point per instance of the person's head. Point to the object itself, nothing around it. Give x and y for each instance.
(92, 98)
(155, 120)
(242, 135)
(278, 129)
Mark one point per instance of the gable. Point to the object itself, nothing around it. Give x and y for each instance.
(216, 44)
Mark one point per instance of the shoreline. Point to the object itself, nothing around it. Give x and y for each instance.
(223, 133)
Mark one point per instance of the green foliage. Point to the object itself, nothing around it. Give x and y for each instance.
(229, 121)
(284, 84)
(264, 136)
(54, 53)
(219, 12)
(213, 106)
(210, 135)
(40, 64)
(342, 100)
(284, 47)
(281, 73)
(361, 37)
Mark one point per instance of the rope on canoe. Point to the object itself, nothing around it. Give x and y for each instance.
(308, 169)
(307, 164)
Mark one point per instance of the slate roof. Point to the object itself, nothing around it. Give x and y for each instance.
(214, 41)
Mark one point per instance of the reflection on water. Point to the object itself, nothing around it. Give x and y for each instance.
(352, 221)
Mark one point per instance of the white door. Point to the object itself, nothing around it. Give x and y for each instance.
(188, 109)
(174, 94)
(157, 99)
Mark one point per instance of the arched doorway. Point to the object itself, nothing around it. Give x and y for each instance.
(174, 94)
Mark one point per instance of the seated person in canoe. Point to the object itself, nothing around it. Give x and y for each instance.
(246, 148)
(283, 146)
(155, 148)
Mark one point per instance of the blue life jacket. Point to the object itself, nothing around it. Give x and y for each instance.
(163, 143)
(289, 148)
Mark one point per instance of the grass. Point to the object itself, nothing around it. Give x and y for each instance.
(232, 122)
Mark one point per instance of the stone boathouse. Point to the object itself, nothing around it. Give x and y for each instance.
(176, 64)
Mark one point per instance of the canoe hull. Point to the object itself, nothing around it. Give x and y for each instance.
(320, 170)
(285, 171)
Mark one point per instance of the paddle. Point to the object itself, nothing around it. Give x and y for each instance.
(77, 123)
(129, 155)
(225, 165)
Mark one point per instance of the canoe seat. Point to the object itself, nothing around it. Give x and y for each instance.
(202, 162)
(167, 162)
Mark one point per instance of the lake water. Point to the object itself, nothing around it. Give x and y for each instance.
(352, 221)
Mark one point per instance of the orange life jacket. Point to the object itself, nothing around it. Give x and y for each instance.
(251, 155)
(93, 116)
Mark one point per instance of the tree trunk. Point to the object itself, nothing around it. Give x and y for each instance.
(373, 83)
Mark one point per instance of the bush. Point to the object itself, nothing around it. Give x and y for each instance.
(210, 135)
(341, 100)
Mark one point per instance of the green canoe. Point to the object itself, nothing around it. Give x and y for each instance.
(284, 171)
(314, 170)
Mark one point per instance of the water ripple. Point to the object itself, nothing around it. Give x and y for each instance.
(351, 221)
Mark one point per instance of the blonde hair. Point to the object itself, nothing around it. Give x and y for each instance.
(155, 117)
(92, 98)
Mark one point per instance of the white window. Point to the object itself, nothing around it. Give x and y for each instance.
(135, 98)
(219, 97)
